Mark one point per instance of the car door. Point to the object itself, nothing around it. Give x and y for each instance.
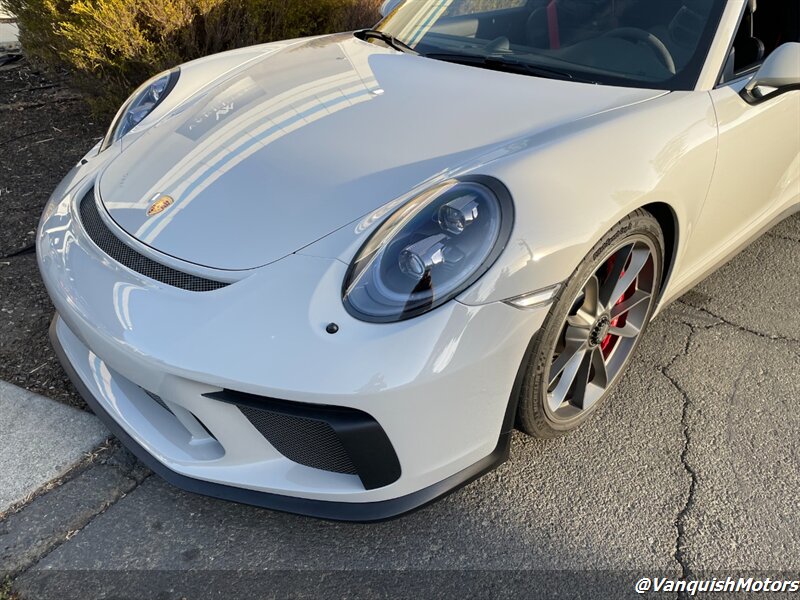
(757, 174)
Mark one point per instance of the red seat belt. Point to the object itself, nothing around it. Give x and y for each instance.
(552, 25)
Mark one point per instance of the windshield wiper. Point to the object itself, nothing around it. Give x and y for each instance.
(507, 65)
(389, 40)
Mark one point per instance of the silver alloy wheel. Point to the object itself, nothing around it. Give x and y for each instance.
(601, 329)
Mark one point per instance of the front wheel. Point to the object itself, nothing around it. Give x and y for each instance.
(593, 328)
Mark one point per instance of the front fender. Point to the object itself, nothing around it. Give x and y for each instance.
(571, 185)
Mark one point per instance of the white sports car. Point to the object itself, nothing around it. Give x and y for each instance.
(329, 276)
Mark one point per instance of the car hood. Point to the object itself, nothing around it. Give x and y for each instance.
(288, 148)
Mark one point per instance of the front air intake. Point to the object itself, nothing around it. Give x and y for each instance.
(331, 438)
(308, 442)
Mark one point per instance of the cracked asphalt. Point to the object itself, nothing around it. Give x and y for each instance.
(691, 470)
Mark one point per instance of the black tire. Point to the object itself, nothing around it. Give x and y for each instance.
(542, 412)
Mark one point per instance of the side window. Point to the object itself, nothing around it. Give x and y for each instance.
(766, 24)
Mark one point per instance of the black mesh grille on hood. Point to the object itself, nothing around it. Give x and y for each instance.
(122, 253)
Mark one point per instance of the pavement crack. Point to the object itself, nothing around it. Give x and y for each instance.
(68, 536)
(680, 522)
(88, 460)
(683, 352)
(738, 326)
(29, 249)
(26, 552)
(682, 516)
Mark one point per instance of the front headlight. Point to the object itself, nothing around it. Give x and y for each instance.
(430, 250)
(143, 101)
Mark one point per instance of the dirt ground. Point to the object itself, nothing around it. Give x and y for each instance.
(44, 130)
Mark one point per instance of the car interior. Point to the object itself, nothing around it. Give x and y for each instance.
(637, 39)
(647, 40)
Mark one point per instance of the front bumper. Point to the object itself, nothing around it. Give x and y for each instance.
(323, 509)
(438, 386)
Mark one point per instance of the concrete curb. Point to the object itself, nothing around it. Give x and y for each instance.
(40, 441)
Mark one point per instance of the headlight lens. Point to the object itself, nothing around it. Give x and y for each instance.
(143, 101)
(430, 250)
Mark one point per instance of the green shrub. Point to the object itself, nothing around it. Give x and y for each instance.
(110, 46)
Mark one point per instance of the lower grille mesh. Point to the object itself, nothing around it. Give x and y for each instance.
(332, 438)
(125, 255)
(306, 441)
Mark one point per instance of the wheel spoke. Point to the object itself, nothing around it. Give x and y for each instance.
(638, 261)
(575, 337)
(596, 382)
(611, 280)
(629, 330)
(600, 370)
(559, 394)
(579, 322)
(582, 381)
(638, 297)
(571, 354)
(591, 306)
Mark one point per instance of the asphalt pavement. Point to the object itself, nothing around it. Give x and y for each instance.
(691, 470)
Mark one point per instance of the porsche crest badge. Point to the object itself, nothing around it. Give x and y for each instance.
(160, 205)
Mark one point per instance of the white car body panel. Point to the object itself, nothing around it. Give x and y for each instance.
(267, 121)
(736, 203)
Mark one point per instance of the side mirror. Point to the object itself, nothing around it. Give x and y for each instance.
(388, 6)
(780, 72)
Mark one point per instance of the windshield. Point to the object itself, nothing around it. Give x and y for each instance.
(638, 43)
